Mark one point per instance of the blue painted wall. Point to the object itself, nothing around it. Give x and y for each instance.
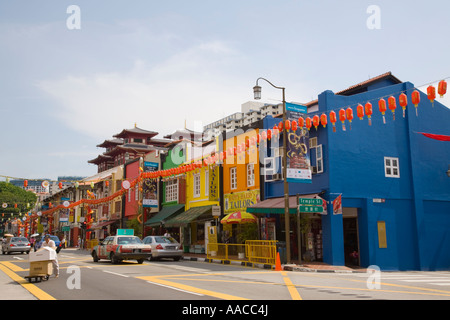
(416, 207)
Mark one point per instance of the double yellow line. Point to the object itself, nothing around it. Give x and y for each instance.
(8, 268)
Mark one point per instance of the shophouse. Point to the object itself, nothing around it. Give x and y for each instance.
(202, 193)
(390, 177)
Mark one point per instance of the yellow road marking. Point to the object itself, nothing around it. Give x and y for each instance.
(34, 290)
(12, 266)
(192, 289)
(290, 286)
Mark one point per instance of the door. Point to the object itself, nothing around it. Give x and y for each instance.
(351, 243)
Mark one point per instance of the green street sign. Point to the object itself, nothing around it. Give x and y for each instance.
(311, 202)
(313, 209)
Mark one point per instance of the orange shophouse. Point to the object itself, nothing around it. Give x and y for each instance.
(241, 179)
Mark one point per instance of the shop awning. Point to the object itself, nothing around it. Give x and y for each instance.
(276, 205)
(164, 214)
(188, 216)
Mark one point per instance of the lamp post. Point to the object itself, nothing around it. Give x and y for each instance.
(257, 96)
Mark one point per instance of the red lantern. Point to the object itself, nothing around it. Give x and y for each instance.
(264, 135)
(403, 101)
(25, 183)
(392, 105)
(442, 88)
(415, 97)
(342, 118)
(60, 185)
(431, 92)
(382, 107)
(316, 121)
(280, 126)
(269, 134)
(333, 120)
(349, 114)
(308, 123)
(369, 112)
(323, 120)
(287, 125)
(360, 111)
(294, 125)
(301, 122)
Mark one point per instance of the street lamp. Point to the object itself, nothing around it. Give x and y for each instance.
(257, 96)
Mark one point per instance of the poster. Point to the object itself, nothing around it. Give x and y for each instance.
(298, 161)
(150, 187)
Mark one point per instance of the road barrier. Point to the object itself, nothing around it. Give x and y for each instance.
(253, 251)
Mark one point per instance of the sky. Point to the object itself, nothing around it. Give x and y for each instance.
(75, 73)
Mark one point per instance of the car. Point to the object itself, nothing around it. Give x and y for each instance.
(16, 244)
(122, 247)
(164, 247)
(58, 242)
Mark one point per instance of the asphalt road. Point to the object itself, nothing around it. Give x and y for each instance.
(82, 279)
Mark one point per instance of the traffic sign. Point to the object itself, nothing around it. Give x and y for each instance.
(313, 209)
(309, 201)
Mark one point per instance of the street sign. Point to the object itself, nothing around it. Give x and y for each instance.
(313, 209)
(308, 201)
(216, 211)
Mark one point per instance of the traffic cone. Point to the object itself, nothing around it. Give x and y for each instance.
(278, 263)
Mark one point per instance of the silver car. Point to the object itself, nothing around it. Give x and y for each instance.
(164, 247)
(16, 244)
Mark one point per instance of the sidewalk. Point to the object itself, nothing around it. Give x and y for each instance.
(304, 267)
(12, 290)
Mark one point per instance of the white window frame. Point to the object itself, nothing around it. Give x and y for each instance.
(269, 170)
(250, 175)
(317, 148)
(391, 164)
(197, 186)
(233, 178)
(172, 190)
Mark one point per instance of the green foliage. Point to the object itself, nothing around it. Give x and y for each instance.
(11, 195)
(248, 231)
(136, 225)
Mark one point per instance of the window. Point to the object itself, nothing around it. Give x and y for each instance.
(233, 178)
(250, 175)
(391, 167)
(206, 182)
(172, 190)
(197, 185)
(269, 168)
(316, 155)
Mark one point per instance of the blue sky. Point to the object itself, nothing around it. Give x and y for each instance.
(161, 63)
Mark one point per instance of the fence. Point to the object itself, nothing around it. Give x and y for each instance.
(254, 251)
(91, 243)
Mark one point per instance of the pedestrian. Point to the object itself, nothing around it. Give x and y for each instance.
(167, 234)
(79, 242)
(51, 244)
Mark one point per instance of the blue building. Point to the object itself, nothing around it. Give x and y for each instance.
(393, 182)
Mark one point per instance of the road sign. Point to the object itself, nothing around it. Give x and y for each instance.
(313, 209)
(313, 202)
(125, 232)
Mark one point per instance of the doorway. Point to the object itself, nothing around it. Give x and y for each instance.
(351, 241)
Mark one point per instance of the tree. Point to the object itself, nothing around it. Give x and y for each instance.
(12, 195)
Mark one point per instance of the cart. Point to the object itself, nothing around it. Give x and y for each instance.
(40, 270)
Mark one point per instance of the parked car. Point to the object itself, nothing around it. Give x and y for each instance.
(16, 244)
(164, 247)
(118, 248)
(58, 242)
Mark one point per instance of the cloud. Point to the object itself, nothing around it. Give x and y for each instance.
(188, 85)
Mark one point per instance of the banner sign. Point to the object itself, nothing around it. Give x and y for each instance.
(240, 201)
(337, 205)
(213, 194)
(298, 162)
(150, 187)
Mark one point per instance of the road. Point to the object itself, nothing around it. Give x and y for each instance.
(82, 279)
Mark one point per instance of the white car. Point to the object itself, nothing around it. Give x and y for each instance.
(164, 247)
(118, 248)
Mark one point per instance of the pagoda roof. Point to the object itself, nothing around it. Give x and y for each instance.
(126, 132)
(100, 158)
(110, 143)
